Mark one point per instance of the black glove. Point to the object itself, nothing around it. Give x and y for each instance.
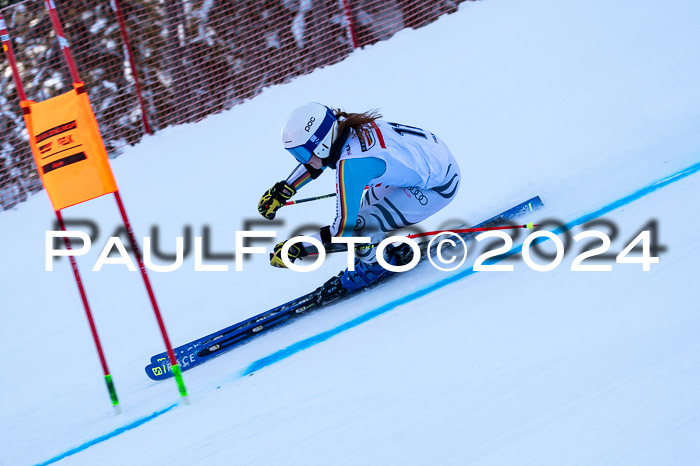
(295, 252)
(274, 198)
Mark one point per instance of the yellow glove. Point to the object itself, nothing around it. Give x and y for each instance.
(274, 198)
(295, 252)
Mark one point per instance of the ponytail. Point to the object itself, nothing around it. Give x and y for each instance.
(356, 121)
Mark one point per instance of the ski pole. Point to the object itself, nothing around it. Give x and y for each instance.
(472, 230)
(342, 248)
(458, 230)
(309, 199)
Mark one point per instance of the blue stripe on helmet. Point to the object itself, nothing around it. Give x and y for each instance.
(323, 130)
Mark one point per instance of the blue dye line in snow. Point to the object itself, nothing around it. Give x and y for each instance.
(108, 436)
(321, 337)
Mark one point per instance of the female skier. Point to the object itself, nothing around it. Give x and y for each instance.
(409, 173)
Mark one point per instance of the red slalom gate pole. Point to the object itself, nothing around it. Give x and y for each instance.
(91, 321)
(147, 282)
(65, 47)
(7, 47)
(132, 63)
(62, 41)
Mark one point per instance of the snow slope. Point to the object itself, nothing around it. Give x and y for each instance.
(579, 102)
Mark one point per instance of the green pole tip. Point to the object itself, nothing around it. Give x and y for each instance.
(178, 378)
(112, 390)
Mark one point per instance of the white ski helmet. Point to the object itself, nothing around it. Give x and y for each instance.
(310, 130)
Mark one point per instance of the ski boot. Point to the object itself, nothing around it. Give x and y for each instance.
(365, 274)
(330, 291)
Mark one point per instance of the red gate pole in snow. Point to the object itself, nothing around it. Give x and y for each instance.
(91, 321)
(65, 47)
(7, 47)
(132, 64)
(137, 252)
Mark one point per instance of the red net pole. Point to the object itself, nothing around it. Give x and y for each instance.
(7, 47)
(351, 25)
(132, 64)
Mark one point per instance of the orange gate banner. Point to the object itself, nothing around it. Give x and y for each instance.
(68, 148)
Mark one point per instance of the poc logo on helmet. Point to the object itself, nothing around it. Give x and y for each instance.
(308, 125)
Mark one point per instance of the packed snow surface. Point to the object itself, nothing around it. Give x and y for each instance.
(579, 102)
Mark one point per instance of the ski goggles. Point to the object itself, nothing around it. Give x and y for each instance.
(301, 153)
